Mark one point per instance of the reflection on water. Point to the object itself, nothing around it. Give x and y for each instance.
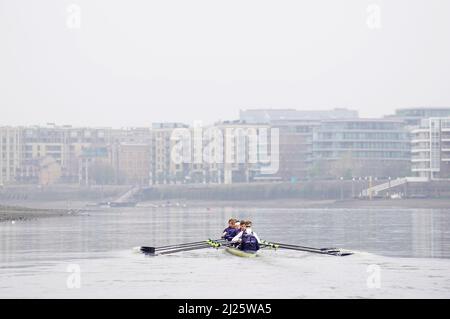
(391, 232)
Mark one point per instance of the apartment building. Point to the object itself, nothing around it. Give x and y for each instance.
(271, 115)
(295, 135)
(131, 153)
(64, 144)
(163, 170)
(247, 152)
(133, 163)
(362, 147)
(430, 148)
(11, 154)
(414, 115)
(296, 148)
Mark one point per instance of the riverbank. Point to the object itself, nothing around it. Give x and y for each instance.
(17, 213)
(434, 203)
(302, 203)
(323, 190)
(62, 208)
(308, 193)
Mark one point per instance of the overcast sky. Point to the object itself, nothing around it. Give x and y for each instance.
(134, 62)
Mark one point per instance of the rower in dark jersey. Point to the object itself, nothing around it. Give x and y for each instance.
(231, 231)
(247, 239)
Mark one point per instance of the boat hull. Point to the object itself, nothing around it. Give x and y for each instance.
(240, 253)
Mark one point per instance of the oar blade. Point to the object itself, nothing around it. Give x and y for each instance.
(338, 252)
(148, 250)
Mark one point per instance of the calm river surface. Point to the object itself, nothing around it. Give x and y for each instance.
(402, 253)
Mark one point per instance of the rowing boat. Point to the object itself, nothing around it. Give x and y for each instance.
(221, 243)
(240, 253)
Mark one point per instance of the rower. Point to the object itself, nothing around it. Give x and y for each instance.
(248, 240)
(242, 226)
(230, 232)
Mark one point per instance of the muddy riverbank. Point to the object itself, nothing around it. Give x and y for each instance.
(17, 213)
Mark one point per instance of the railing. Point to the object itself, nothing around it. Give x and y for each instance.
(128, 195)
(374, 190)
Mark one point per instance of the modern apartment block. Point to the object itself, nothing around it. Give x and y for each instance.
(430, 148)
(162, 169)
(295, 135)
(271, 115)
(413, 116)
(362, 147)
(51, 153)
(246, 152)
(64, 145)
(131, 153)
(11, 154)
(296, 148)
(132, 163)
(219, 153)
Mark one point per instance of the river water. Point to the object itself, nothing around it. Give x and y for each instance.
(399, 253)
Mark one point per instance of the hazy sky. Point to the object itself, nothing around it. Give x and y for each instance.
(135, 62)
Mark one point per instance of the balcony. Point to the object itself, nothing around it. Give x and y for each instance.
(420, 150)
(420, 169)
(420, 140)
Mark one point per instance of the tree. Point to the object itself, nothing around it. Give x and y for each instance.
(344, 167)
(318, 170)
(102, 173)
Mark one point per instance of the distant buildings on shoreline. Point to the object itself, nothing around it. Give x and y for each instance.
(331, 144)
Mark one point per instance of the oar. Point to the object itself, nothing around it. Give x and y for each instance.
(151, 249)
(156, 251)
(267, 244)
(171, 251)
(186, 244)
(181, 247)
(327, 251)
(335, 252)
(298, 246)
(207, 244)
